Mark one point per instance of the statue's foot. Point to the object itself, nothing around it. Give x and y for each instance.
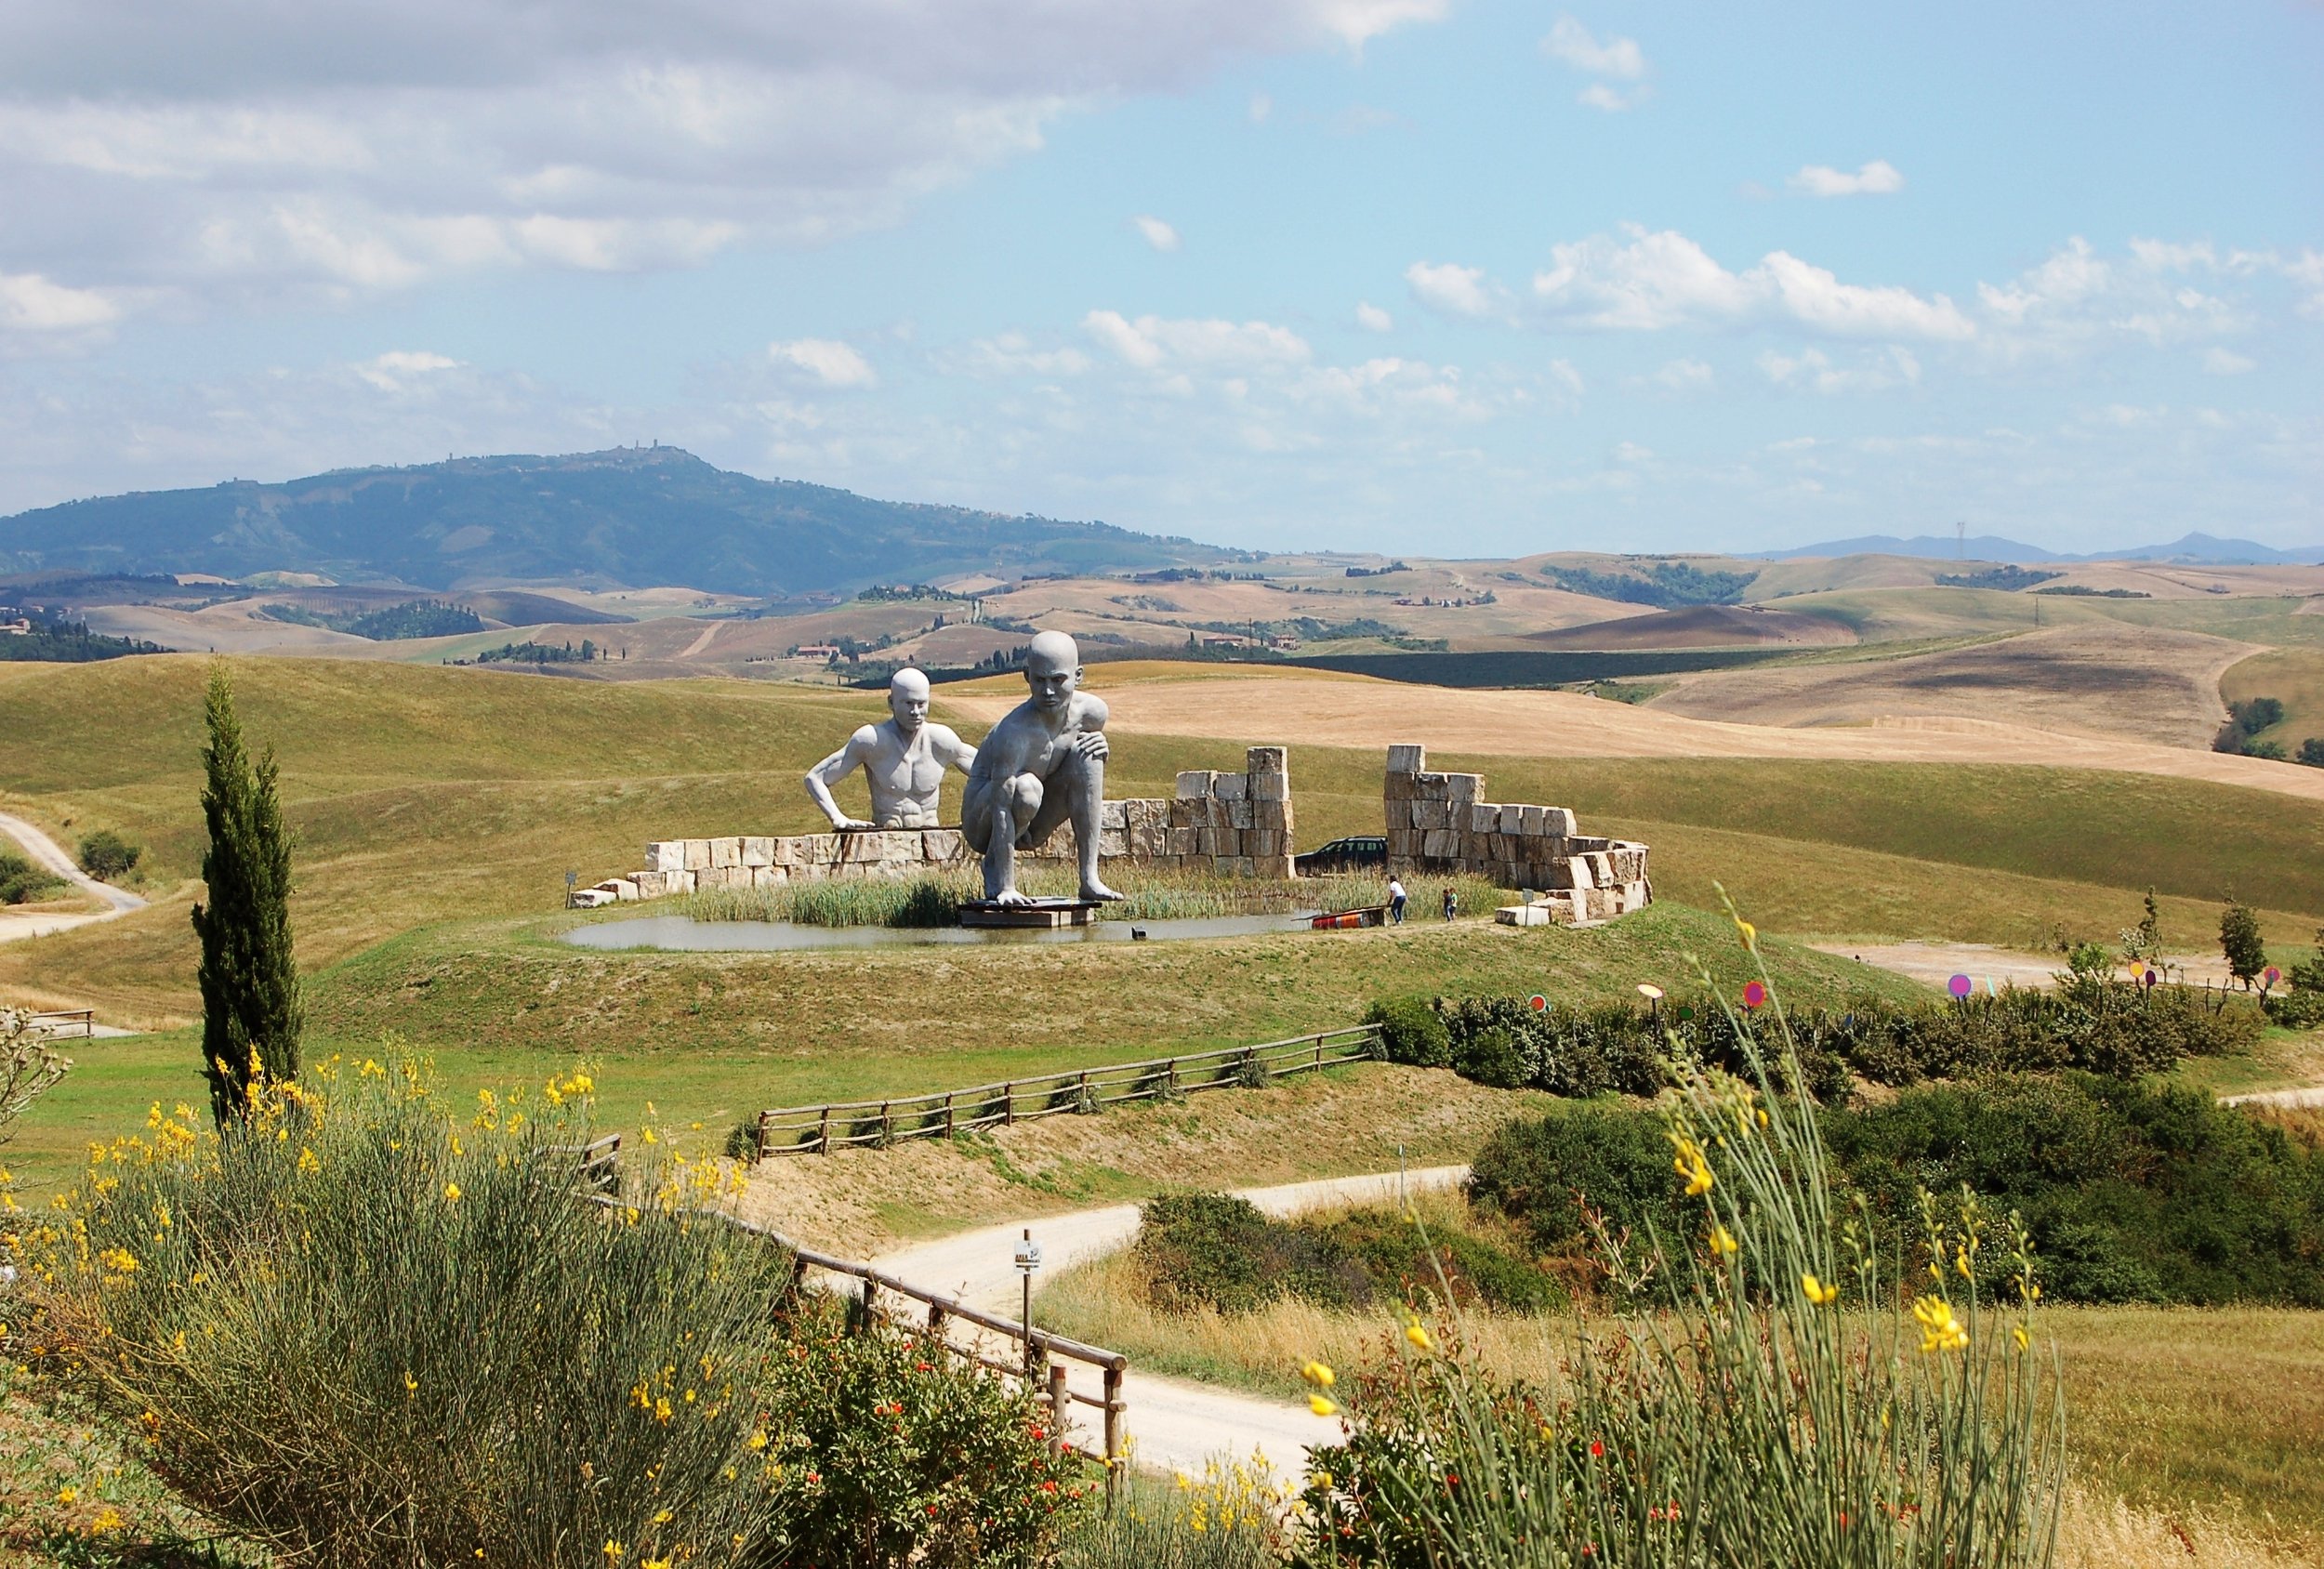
(1010, 896)
(1095, 890)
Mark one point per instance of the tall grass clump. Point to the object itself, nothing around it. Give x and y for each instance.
(1793, 1408)
(362, 1327)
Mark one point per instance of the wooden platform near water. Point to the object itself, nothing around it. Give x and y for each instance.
(1041, 915)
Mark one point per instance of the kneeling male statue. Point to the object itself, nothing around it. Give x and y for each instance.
(1043, 765)
(904, 759)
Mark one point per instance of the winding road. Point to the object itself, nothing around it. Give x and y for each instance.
(1172, 1423)
(45, 852)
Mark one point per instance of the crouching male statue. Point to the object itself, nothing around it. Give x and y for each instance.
(1043, 765)
(904, 759)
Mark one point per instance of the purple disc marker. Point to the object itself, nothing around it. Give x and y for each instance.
(1961, 985)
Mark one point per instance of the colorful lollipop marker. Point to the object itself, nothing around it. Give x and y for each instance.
(1961, 985)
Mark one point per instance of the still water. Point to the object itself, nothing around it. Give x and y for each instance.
(683, 934)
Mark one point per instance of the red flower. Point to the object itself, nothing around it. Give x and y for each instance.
(1596, 1449)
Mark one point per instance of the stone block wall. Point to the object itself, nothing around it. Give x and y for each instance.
(1235, 824)
(1441, 822)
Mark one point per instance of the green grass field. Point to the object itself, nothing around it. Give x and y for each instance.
(2296, 676)
(436, 812)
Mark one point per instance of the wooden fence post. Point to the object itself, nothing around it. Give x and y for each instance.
(763, 1136)
(1009, 1104)
(823, 1139)
(947, 1114)
(1057, 1402)
(887, 1127)
(1114, 1461)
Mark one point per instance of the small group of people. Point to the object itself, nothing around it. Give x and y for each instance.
(1398, 899)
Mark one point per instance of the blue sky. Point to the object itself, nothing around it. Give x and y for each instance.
(1410, 275)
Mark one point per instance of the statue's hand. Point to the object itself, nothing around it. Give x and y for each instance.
(1091, 744)
(843, 822)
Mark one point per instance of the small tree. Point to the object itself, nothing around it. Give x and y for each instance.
(2144, 942)
(27, 1068)
(251, 1012)
(106, 855)
(2239, 941)
(2312, 751)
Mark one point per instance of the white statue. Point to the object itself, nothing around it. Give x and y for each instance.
(1042, 765)
(904, 759)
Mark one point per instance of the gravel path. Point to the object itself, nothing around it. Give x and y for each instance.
(1172, 1423)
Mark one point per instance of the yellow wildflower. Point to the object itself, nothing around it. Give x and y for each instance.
(309, 1164)
(614, 1549)
(1691, 1165)
(1817, 1292)
(1322, 1405)
(2024, 1340)
(1749, 934)
(452, 1192)
(67, 1495)
(1940, 1331)
(1319, 1373)
(411, 1385)
(1722, 1241)
(1418, 1335)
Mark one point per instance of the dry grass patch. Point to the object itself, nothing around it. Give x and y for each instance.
(1341, 1122)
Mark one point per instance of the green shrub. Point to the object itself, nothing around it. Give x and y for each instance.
(2131, 1192)
(106, 855)
(1216, 1251)
(2088, 1021)
(893, 1454)
(364, 1333)
(1410, 1032)
(22, 882)
(1763, 1421)
(2240, 942)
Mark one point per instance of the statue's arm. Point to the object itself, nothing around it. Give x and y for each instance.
(1090, 714)
(952, 751)
(838, 766)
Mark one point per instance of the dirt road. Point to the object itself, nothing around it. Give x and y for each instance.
(1172, 1423)
(45, 852)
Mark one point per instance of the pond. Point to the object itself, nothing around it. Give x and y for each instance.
(684, 934)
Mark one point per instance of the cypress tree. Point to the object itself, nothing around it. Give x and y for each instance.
(251, 1012)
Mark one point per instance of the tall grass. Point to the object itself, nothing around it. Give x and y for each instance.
(934, 898)
(1757, 1423)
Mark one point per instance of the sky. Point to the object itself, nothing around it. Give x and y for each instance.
(1448, 277)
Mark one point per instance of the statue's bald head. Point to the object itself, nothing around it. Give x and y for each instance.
(1052, 668)
(907, 699)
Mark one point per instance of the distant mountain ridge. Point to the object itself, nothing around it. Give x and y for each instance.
(632, 515)
(2194, 549)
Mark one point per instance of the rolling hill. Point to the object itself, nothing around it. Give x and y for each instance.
(630, 516)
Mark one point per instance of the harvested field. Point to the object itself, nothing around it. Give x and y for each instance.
(2150, 683)
(1699, 626)
(1311, 709)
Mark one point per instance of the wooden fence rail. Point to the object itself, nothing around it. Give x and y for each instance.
(72, 1023)
(792, 1130)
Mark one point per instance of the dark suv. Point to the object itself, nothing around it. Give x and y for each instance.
(1342, 855)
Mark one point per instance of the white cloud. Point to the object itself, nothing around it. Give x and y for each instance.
(1153, 342)
(1813, 370)
(1616, 59)
(1631, 452)
(1261, 107)
(1372, 319)
(1013, 353)
(1619, 57)
(1663, 278)
(1447, 286)
(1158, 235)
(32, 303)
(1878, 177)
(244, 153)
(826, 359)
(400, 368)
(1562, 372)
(2220, 361)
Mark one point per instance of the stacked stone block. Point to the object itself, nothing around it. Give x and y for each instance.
(1235, 824)
(1441, 822)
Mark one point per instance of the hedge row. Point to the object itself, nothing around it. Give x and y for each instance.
(2090, 1023)
(2132, 1192)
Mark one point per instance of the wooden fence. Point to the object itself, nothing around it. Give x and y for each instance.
(1040, 1355)
(72, 1023)
(792, 1130)
(1039, 1361)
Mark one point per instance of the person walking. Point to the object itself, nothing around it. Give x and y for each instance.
(1396, 897)
(1452, 903)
